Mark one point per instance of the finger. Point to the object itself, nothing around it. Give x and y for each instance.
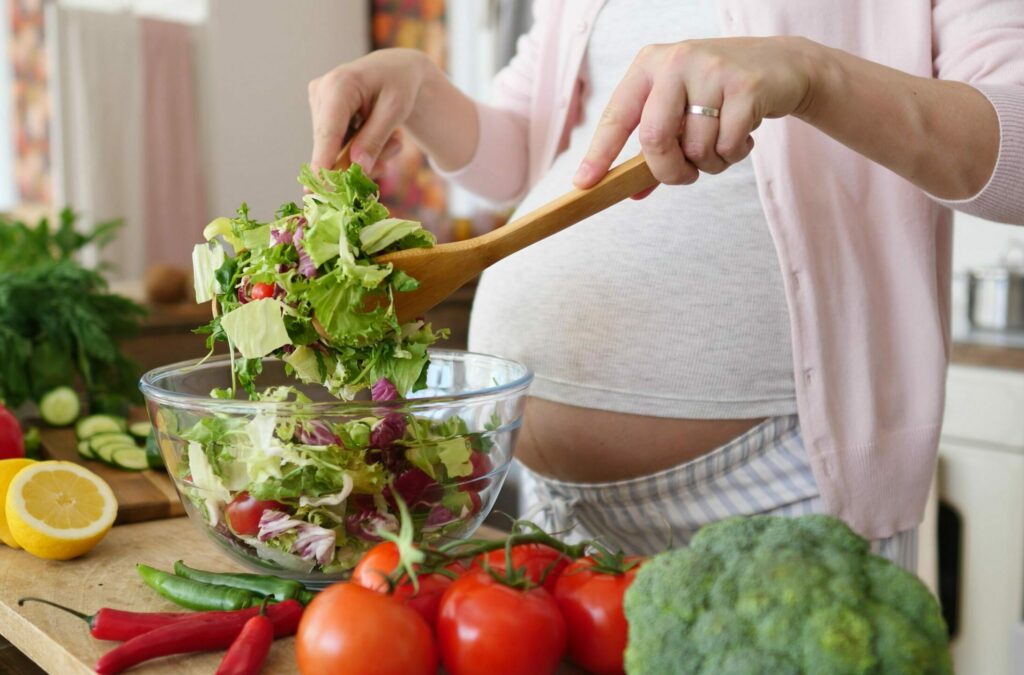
(734, 126)
(334, 105)
(644, 193)
(660, 123)
(700, 134)
(620, 117)
(387, 113)
(391, 148)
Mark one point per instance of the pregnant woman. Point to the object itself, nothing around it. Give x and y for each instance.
(768, 331)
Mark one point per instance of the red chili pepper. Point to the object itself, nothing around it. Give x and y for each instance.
(207, 631)
(116, 624)
(250, 648)
(121, 625)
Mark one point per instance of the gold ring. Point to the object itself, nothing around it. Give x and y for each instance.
(704, 110)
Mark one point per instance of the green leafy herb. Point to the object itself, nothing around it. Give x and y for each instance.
(59, 323)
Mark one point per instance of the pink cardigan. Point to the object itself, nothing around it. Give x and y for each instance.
(865, 255)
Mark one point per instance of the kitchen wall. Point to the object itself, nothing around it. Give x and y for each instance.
(979, 243)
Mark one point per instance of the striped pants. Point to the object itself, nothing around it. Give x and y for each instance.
(764, 471)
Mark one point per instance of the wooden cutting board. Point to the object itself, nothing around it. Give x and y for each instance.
(141, 495)
(105, 577)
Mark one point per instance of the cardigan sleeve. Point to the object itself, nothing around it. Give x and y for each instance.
(981, 43)
(499, 168)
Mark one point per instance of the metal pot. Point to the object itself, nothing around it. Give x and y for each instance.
(995, 299)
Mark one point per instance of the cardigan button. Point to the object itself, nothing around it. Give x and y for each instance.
(581, 27)
(808, 375)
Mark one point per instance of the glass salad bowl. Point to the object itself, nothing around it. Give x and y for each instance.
(300, 484)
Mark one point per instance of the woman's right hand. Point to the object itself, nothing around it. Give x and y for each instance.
(386, 90)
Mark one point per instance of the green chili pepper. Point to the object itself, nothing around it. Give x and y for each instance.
(194, 594)
(268, 586)
(306, 597)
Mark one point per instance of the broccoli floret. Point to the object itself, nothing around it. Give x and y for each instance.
(765, 594)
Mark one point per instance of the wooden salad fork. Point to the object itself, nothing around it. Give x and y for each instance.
(443, 269)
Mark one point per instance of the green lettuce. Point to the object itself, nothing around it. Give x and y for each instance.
(332, 316)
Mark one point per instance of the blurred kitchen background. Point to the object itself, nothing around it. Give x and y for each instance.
(167, 113)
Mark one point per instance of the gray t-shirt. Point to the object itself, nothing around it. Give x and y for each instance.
(672, 306)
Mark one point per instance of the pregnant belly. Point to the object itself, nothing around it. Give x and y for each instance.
(583, 445)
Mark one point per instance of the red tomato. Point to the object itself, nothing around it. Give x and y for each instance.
(350, 630)
(12, 441)
(591, 602)
(536, 558)
(381, 560)
(262, 291)
(375, 565)
(487, 628)
(244, 512)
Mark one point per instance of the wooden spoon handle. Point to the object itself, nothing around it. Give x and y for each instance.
(624, 180)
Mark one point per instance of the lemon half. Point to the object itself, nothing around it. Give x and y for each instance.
(59, 510)
(8, 469)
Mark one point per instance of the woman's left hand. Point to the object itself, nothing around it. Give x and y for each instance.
(746, 79)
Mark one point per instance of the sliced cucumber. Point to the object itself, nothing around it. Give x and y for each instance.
(132, 459)
(59, 407)
(140, 430)
(88, 427)
(103, 445)
(85, 451)
(110, 438)
(153, 456)
(106, 453)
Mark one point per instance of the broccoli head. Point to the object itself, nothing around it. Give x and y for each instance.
(785, 596)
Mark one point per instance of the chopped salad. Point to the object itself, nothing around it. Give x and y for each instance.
(309, 494)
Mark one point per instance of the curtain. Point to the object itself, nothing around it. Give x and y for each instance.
(125, 134)
(174, 194)
(97, 127)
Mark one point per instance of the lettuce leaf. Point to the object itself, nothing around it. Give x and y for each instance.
(256, 328)
(382, 234)
(206, 260)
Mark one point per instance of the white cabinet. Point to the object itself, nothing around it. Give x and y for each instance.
(981, 476)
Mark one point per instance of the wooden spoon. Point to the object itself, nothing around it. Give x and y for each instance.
(443, 269)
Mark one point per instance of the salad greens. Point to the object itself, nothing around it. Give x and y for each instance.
(309, 493)
(329, 488)
(305, 288)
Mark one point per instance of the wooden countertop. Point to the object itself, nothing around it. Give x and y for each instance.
(990, 349)
(60, 643)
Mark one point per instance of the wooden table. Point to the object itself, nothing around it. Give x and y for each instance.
(60, 643)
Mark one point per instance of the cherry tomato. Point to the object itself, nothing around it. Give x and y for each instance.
(591, 602)
(487, 628)
(244, 512)
(12, 441)
(382, 559)
(261, 291)
(535, 558)
(351, 630)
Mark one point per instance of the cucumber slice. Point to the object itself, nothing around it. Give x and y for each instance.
(85, 451)
(110, 438)
(106, 453)
(98, 424)
(132, 459)
(153, 456)
(140, 430)
(59, 407)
